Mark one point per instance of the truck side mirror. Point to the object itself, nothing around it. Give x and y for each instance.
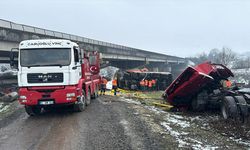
(12, 57)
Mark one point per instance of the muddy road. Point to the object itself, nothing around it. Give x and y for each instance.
(100, 126)
(116, 123)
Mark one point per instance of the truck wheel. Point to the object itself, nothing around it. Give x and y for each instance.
(33, 110)
(229, 108)
(94, 94)
(242, 105)
(88, 99)
(199, 102)
(80, 105)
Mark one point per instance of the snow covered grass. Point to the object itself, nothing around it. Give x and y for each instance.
(191, 131)
(3, 107)
(184, 141)
(131, 101)
(242, 76)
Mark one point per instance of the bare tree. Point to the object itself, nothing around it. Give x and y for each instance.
(200, 58)
(224, 56)
(213, 55)
(227, 56)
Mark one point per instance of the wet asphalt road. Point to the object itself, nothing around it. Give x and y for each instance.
(103, 125)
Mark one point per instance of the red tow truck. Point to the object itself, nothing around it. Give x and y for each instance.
(200, 87)
(55, 72)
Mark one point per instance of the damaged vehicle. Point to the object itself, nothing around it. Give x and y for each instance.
(201, 87)
(130, 79)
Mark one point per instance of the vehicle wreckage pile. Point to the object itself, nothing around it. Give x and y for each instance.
(131, 79)
(8, 85)
(201, 87)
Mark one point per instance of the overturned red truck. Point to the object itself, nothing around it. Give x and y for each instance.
(200, 87)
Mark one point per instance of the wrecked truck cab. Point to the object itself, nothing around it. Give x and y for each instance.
(200, 87)
(193, 81)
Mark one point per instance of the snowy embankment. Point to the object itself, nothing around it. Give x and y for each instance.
(241, 76)
(191, 131)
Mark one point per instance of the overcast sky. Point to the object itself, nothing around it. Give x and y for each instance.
(173, 27)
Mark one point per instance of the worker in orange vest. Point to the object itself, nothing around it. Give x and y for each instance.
(150, 85)
(103, 85)
(154, 84)
(146, 84)
(228, 83)
(142, 85)
(114, 85)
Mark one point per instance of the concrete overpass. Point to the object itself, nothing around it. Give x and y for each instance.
(117, 55)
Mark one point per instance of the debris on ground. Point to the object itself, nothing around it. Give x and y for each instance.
(10, 97)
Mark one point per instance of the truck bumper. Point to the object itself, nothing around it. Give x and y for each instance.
(48, 95)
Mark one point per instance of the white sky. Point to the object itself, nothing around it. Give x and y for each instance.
(173, 27)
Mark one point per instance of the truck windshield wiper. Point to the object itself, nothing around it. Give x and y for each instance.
(60, 65)
(34, 66)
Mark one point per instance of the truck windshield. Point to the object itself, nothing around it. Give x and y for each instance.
(45, 57)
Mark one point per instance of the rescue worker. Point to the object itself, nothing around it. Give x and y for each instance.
(228, 83)
(150, 85)
(154, 84)
(103, 85)
(146, 85)
(114, 85)
(142, 85)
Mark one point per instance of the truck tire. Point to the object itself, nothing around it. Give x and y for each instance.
(33, 110)
(242, 107)
(95, 94)
(88, 98)
(199, 102)
(229, 108)
(80, 105)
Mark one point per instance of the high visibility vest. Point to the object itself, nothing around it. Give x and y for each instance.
(104, 81)
(228, 83)
(142, 83)
(149, 83)
(114, 82)
(153, 81)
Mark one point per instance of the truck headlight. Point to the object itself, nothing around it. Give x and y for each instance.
(22, 97)
(70, 95)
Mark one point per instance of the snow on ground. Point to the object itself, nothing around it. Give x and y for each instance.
(195, 131)
(241, 76)
(3, 107)
(127, 100)
(4, 67)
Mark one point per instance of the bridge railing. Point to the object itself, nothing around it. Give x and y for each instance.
(36, 30)
(124, 49)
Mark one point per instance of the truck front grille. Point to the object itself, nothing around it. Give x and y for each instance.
(45, 78)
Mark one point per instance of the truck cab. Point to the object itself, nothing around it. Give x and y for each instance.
(55, 72)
